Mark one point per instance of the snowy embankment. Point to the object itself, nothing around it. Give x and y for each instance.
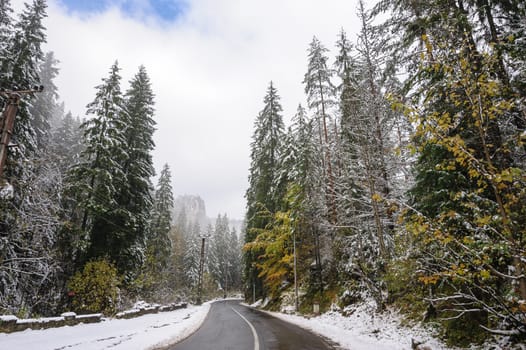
(144, 332)
(365, 330)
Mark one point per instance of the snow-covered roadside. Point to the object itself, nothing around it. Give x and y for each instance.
(145, 332)
(364, 330)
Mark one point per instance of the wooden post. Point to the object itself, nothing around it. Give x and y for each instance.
(201, 266)
(7, 124)
(295, 272)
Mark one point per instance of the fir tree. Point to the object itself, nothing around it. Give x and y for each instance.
(306, 201)
(233, 257)
(320, 97)
(6, 29)
(158, 243)
(192, 256)
(98, 177)
(218, 261)
(66, 142)
(45, 106)
(133, 194)
(262, 195)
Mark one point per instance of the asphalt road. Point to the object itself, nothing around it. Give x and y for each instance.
(232, 326)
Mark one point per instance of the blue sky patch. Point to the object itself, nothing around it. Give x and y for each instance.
(167, 10)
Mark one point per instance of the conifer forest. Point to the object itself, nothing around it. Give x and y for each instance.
(401, 181)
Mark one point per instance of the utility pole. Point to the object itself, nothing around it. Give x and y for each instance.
(253, 292)
(7, 122)
(201, 267)
(226, 280)
(295, 272)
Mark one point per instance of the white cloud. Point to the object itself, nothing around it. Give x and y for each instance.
(209, 71)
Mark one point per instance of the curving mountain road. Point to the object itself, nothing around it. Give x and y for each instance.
(232, 326)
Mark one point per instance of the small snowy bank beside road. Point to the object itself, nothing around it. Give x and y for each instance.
(145, 332)
(364, 330)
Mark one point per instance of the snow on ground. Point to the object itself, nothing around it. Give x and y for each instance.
(365, 330)
(144, 332)
(362, 330)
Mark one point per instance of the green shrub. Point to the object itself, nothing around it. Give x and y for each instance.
(95, 289)
(465, 331)
(404, 290)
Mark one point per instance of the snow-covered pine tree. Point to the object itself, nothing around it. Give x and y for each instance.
(347, 189)
(302, 161)
(45, 106)
(161, 217)
(262, 195)
(218, 261)
(6, 30)
(66, 142)
(364, 187)
(176, 264)
(234, 261)
(133, 195)
(192, 256)
(97, 178)
(320, 97)
(158, 242)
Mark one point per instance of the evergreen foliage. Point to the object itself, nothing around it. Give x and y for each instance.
(156, 270)
(96, 179)
(134, 195)
(66, 143)
(265, 192)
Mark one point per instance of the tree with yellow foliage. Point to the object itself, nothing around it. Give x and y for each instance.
(468, 213)
(275, 258)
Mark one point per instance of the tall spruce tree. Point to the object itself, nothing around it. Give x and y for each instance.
(320, 98)
(263, 196)
(192, 256)
(218, 259)
(97, 178)
(159, 244)
(347, 188)
(45, 106)
(233, 257)
(161, 217)
(306, 199)
(6, 30)
(133, 197)
(66, 142)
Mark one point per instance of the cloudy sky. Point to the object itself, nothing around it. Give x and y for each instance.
(210, 63)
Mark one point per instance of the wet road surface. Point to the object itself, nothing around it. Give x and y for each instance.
(231, 326)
